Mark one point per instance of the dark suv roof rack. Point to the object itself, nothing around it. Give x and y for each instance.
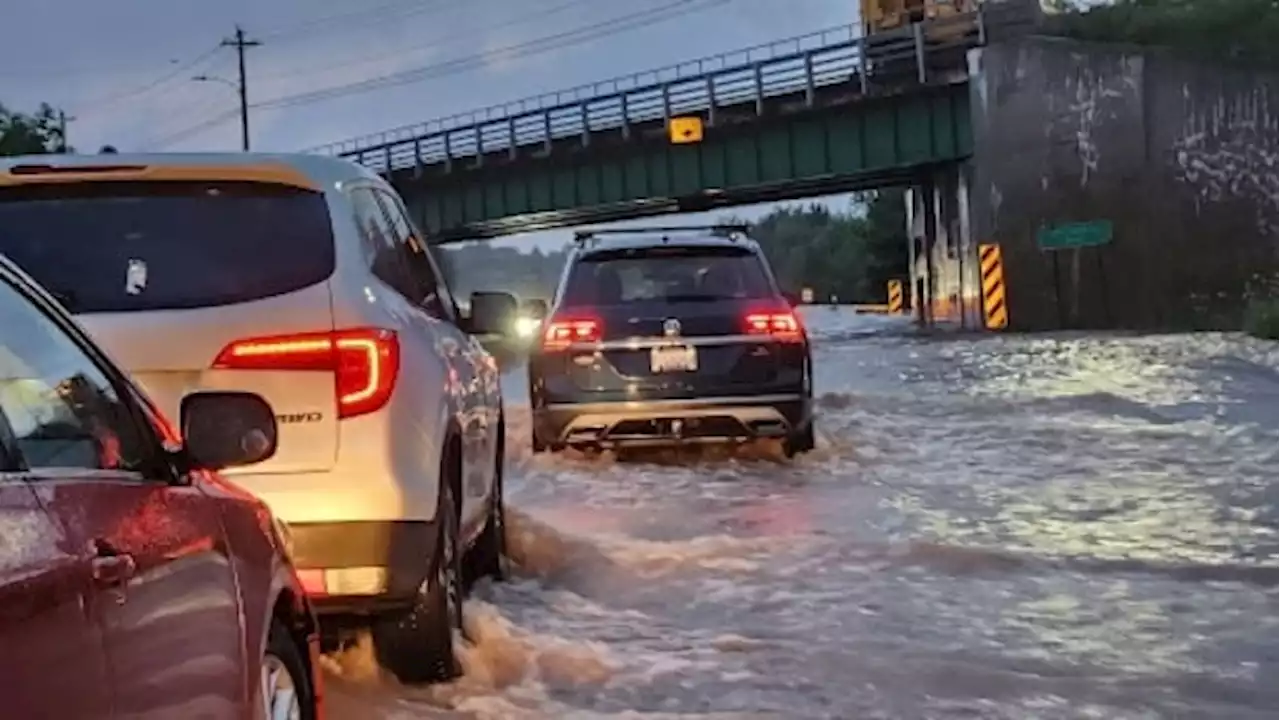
(729, 229)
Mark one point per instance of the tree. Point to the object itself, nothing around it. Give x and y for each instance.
(847, 254)
(35, 134)
(1237, 31)
(886, 244)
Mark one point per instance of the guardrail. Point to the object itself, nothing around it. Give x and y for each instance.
(796, 65)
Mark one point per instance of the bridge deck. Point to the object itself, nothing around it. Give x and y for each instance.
(801, 64)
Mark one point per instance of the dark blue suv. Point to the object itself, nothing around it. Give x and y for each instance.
(670, 335)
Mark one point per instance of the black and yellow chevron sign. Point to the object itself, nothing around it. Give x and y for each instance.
(895, 297)
(995, 309)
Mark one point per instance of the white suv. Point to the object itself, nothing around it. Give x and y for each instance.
(302, 279)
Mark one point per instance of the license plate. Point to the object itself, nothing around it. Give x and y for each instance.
(673, 358)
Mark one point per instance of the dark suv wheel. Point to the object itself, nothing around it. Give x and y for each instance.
(802, 441)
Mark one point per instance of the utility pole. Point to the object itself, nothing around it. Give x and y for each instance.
(62, 131)
(240, 44)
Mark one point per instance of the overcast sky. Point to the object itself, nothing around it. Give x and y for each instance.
(123, 69)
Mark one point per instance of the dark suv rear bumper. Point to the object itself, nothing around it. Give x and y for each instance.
(662, 422)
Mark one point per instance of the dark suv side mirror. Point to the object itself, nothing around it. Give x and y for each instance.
(492, 313)
(227, 429)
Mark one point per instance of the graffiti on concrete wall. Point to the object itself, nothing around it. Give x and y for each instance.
(1089, 99)
(1179, 155)
(1227, 150)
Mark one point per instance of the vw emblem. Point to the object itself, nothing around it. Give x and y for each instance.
(671, 327)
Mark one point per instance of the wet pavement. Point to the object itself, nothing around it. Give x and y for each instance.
(1068, 526)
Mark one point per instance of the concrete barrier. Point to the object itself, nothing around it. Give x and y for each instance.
(871, 309)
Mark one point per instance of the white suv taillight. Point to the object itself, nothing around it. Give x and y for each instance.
(364, 362)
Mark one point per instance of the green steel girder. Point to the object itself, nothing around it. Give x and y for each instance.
(794, 150)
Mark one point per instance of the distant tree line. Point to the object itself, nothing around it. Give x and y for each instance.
(36, 133)
(1234, 31)
(480, 266)
(849, 254)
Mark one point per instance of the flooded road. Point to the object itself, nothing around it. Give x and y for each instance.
(1068, 526)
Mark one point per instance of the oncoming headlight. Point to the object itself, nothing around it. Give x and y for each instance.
(527, 326)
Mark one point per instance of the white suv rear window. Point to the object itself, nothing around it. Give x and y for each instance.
(135, 246)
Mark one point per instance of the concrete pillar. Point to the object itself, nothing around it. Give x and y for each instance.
(928, 275)
(953, 260)
(917, 201)
(942, 268)
(970, 276)
(909, 199)
(943, 282)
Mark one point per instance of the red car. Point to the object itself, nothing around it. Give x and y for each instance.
(134, 582)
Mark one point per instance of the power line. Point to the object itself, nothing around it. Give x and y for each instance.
(102, 102)
(537, 46)
(587, 33)
(97, 72)
(432, 43)
(348, 19)
(345, 17)
(241, 43)
(193, 130)
(204, 109)
(354, 17)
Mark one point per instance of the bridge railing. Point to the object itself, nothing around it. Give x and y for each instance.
(795, 66)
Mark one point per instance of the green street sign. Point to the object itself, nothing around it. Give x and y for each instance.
(1075, 235)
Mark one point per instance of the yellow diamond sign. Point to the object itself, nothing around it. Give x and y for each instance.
(684, 130)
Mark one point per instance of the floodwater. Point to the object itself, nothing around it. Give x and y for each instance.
(1067, 526)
